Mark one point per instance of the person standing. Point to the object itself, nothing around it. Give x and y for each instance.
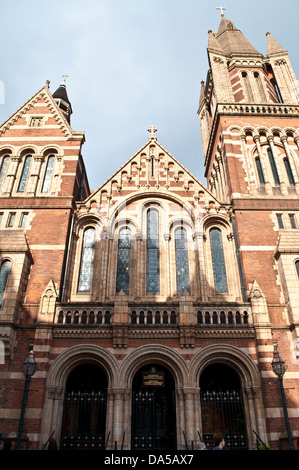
(219, 442)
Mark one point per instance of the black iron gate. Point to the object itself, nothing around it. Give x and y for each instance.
(153, 420)
(84, 412)
(84, 421)
(223, 412)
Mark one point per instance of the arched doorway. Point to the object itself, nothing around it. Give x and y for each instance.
(84, 411)
(153, 409)
(222, 406)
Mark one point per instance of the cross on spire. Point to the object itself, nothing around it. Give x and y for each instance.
(65, 76)
(221, 8)
(152, 130)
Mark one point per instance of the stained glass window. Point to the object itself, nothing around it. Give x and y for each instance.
(123, 260)
(25, 174)
(297, 268)
(181, 259)
(273, 167)
(219, 270)
(4, 271)
(152, 253)
(4, 165)
(260, 171)
(48, 174)
(87, 258)
(289, 171)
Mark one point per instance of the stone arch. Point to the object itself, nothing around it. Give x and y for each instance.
(169, 359)
(158, 353)
(58, 373)
(230, 355)
(249, 377)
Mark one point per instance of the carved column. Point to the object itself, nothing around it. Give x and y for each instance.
(34, 175)
(10, 176)
(118, 415)
(199, 237)
(268, 187)
(284, 141)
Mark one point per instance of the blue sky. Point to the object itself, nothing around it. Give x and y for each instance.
(131, 64)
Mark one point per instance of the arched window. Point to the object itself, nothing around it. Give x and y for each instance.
(181, 259)
(48, 174)
(273, 166)
(152, 253)
(4, 272)
(297, 268)
(247, 86)
(25, 174)
(87, 258)
(3, 168)
(123, 260)
(259, 86)
(219, 271)
(289, 171)
(260, 170)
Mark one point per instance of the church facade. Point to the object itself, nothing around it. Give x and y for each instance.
(155, 305)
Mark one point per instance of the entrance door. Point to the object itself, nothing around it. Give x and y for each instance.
(222, 407)
(153, 410)
(84, 416)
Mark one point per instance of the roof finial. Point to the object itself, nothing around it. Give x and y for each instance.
(221, 8)
(152, 130)
(65, 76)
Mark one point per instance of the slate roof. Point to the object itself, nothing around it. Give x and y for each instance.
(231, 40)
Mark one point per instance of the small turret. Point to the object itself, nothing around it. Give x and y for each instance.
(61, 98)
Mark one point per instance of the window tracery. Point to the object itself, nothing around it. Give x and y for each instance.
(123, 260)
(87, 259)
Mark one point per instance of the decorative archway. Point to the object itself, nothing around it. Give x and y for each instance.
(84, 409)
(153, 409)
(56, 386)
(249, 378)
(222, 406)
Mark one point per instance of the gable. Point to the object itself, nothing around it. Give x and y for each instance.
(152, 172)
(38, 118)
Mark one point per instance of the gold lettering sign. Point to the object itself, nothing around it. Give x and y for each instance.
(153, 378)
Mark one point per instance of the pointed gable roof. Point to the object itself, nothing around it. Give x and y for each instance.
(232, 41)
(133, 177)
(273, 47)
(43, 95)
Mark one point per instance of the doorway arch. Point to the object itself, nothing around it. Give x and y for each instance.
(153, 409)
(84, 409)
(222, 406)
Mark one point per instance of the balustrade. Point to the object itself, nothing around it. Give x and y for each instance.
(154, 316)
(223, 316)
(86, 316)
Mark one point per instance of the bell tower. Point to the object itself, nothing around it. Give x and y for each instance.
(249, 118)
(248, 112)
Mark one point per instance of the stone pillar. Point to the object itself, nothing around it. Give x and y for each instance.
(268, 187)
(189, 415)
(34, 175)
(252, 184)
(283, 186)
(118, 417)
(10, 176)
(284, 141)
(202, 268)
